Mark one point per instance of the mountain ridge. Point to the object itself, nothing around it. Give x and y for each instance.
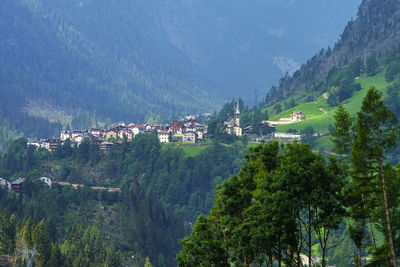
(373, 32)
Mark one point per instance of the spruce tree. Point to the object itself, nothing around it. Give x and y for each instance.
(41, 240)
(377, 134)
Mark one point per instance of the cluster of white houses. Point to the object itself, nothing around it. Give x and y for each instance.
(189, 131)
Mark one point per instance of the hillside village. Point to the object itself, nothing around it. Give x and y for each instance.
(186, 130)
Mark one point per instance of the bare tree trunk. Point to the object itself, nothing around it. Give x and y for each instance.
(270, 260)
(324, 251)
(309, 236)
(389, 227)
(359, 256)
(279, 254)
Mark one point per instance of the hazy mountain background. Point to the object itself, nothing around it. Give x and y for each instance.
(149, 59)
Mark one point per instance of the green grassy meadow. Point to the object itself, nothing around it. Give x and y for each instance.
(321, 119)
(190, 150)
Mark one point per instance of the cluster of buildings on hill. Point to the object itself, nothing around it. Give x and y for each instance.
(189, 131)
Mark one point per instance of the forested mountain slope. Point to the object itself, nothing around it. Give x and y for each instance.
(100, 57)
(147, 60)
(373, 33)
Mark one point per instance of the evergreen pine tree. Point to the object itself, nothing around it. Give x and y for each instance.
(41, 240)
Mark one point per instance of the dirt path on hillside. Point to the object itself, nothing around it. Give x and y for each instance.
(323, 110)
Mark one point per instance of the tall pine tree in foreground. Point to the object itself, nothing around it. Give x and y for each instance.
(377, 133)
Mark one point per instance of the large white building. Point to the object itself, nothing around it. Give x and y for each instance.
(294, 136)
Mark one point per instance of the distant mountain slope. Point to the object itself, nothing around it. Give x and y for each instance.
(147, 59)
(78, 54)
(248, 45)
(375, 31)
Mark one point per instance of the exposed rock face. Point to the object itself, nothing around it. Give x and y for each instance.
(375, 30)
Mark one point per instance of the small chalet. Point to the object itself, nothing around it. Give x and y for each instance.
(297, 116)
(176, 128)
(17, 184)
(193, 125)
(125, 133)
(106, 146)
(50, 144)
(112, 133)
(97, 132)
(76, 133)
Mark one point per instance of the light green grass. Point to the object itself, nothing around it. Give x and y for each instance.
(315, 250)
(319, 120)
(190, 150)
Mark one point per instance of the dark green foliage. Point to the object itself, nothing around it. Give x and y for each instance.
(255, 118)
(278, 108)
(259, 213)
(41, 241)
(85, 247)
(392, 99)
(392, 71)
(307, 135)
(356, 68)
(161, 187)
(204, 247)
(7, 233)
(18, 158)
(342, 131)
(216, 127)
(82, 247)
(356, 231)
(56, 257)
(83, 120)
(371, 65)
(377, 134)
(374, 136)
(342, 84)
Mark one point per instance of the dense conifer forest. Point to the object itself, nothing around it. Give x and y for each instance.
(162, 192)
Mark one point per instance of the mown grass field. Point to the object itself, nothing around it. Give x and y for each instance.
(189, 149)
(321, 119)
